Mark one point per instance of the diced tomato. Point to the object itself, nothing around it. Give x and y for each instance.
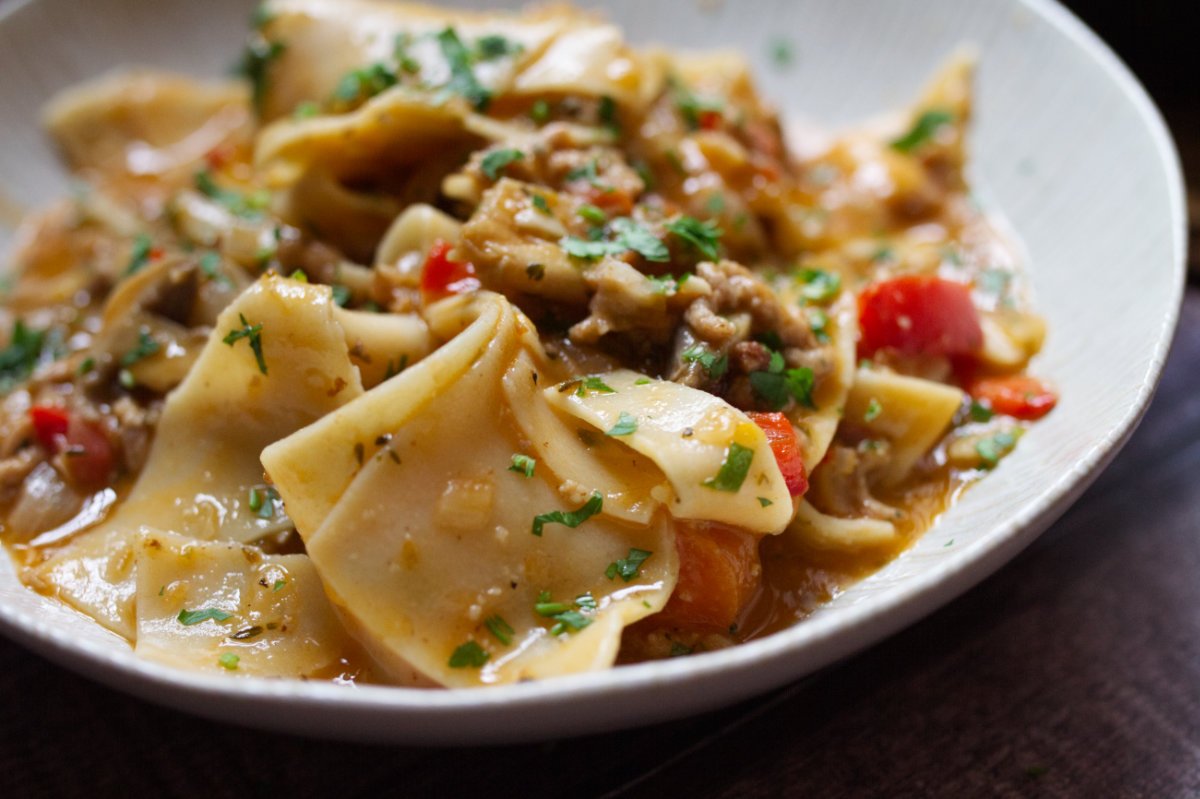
(616, 201)
(710, 119)
(220, 155)
(918, 315)
(50, 426)
(87, 451)
(719, 573)
(1019, 396)
(782, 438)
(441, 276)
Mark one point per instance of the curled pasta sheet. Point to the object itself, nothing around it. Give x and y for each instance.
(624, 477)
(432, 545)
(382, 345)
(911, 413)
(204, 461)
(145, 123)
(95, 574)
(392, 132)
(817, 426)
(561, 50)
(410, 236)
(271, 616)
(814, 529)
(689, 434)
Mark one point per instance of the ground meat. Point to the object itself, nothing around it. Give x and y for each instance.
(134, 429)
(841, 484)
(738, 290)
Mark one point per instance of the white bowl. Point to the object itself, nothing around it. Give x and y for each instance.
(1066, 143)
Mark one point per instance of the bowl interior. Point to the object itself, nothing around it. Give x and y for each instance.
(1065, 144)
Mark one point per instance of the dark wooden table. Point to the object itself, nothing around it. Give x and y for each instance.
(1073, 672)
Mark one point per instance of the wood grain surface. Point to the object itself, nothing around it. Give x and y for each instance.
(1073, 672)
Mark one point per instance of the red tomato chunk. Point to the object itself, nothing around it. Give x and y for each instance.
(441, 276)
(782, 438)
(918, 315)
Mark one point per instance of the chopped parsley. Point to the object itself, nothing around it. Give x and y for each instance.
(764, 502)
(818, 285)
(713, 365)
(733, 469)
(238, 204)
(994, 281)
(253, 334)
(570, 519)
(362, 84)
(341, 294)
(279, 584)
(924, 129)
(495, 46)
(818, 323)
(692, 108)
(592, 214)
(522, 464)
(306, 110)
(590, 250)
(704, 237)
(594, 384)
(404, 59)
(229, 661)
(637, 237)
(139, 256)
(995, 447)
(469, 656)
(146, 347)
(873, 410)
(586, 172)
(539, 202)
(462, 78)
(189, 617)
(781, 54)
(261, 501)
(497, 161)
(629, 566)
(26, 348)
(501, 629)
(539, 112)
(210, 265)
(980, 412)
(776, 386)
(563, 614)
(606, 112)
(256, 64)
(626, 425)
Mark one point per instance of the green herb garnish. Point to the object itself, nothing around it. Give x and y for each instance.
(253, 334)
(733, 469)
(501, 629)
(626, 425)
(229, 661)
(818, 285)
(704, 237)
(924, 128)
(469, 656)
(874, 409)
(570, 519)
(629, 566)
(496, 161)
(189, 617)
(139, 256)
(362, 84)
(713, 365)
(522, 464)
(462, 77)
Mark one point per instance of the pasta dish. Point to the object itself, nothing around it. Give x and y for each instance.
(459, 349)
